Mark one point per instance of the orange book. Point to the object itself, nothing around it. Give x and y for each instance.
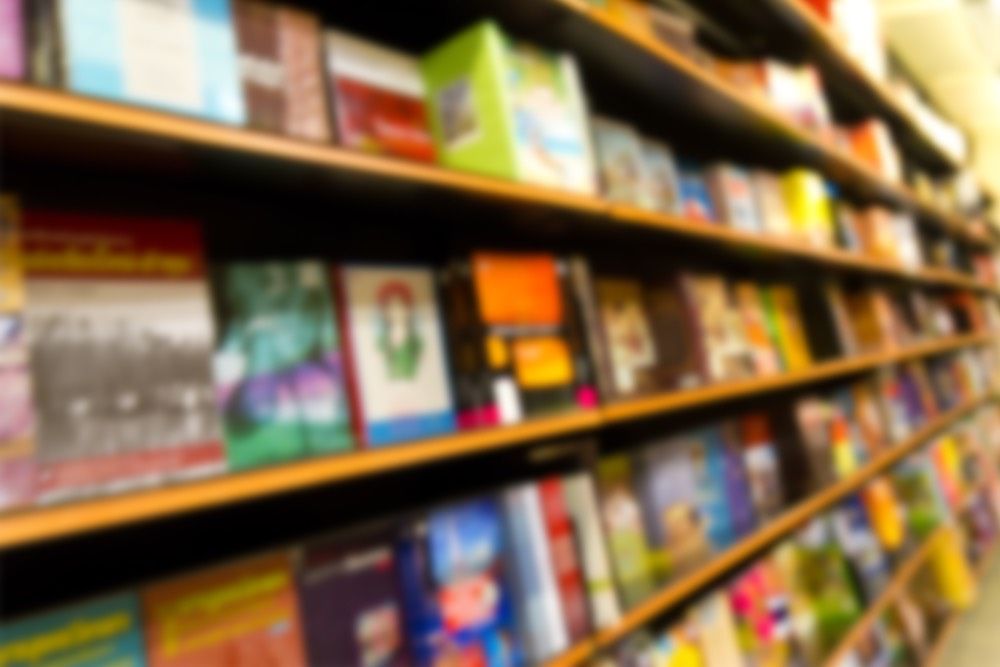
(246, 613)
(884, 513)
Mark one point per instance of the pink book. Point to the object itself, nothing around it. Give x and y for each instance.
(12, 60)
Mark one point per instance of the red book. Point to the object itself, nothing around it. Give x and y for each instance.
(565, 563)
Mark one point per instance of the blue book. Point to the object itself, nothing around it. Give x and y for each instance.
(742, 515)
(177, 56)
(696, 200)
(455, 597)
(708, 458)
(95, 634)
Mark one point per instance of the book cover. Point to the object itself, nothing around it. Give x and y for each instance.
(674, 522)
(627, 334)
(782, 305)
(620, 163)
(623, 524)
(679, 349)
(280, 69)
(563, 551)
(508, 109)
(378, 98)
(581, 505)
(679, 646)
(869, 415)
(243, 613)
(885, 513)
(813, 418)
(712, 477)
(864, 555)
(17, 417)
(728, 355)
(719, 641)
(663, 181)
(750, 304)
(597, 353)
(278, 366)
(742, 510)
(396, 346)
(120, 335)
(808, 206)
(107, 631)
(350, 603)
(915, 483)
(733, 198)
(178, 55)
(13, 40)
(543, 625)
(760, 457)
(819, 320)
(696, 201)
(770, 203)
(456, 600)
(862, 311)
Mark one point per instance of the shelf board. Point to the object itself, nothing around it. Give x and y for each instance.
(874, 610)
(766, 535)
(24, 527)
(36, 104)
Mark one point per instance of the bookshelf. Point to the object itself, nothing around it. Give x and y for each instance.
(18, 529)
(87, 130)
(32, 110)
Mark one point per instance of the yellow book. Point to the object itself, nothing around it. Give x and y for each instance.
(950, 570)
(884, 513)
(808, 206)
(782, 306)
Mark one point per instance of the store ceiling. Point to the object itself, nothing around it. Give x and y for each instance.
(953, 48)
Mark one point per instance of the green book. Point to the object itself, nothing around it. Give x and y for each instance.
(278, 366)
(509, 110)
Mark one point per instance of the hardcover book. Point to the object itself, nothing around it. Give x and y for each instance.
(581, 504)
(733, 197)
(750, 304)
(103, 632)
(663, 180)
(456, 601)
(712, 476)
(537, 601)
(728, 355)
(696, 201)
(808, 206)
(394, 337)
(178, 55)
(621, 165)
(243, 613)
(628, 335)
(17, 418)
(509, 109)
(623, 525)
(378, 98)
(517, 338)
(280, 69)
(278, 365)
(739, 497)
(761, 460)
(120, 335)
(770, 203)
(679, 348)
(13, 51)
(563, 551)
(781, 305)
(350, 603)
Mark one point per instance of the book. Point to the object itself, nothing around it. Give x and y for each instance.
(628, 335)
(537, 601)
(712, 474)
(696, 200)
(109, 627)
(395, 343)
(120, 335)
(719, 642)
(278, 364)
(750, 303)
(17, 418)
(675, 524)
(781, 306)
(621, 164)
(915, 483)
(732, 196)
(739, 497)
(509, 109)
(564, 554)
(628, 544)
(808, 206)
(813, 417)
(663, 181)
(280, 69)
(760, 457)
(457, 604)
(770, 203)
(351, 606)
(517, 335)
(581, 505)
(679, 348)
(13, 40)
(378, 98)
(245, 612)
(885, 513)
(818, 304)
(678, 646)
(174, 55)
(865, 557)
(727, 354)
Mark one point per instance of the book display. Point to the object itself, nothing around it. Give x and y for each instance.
(500, 334)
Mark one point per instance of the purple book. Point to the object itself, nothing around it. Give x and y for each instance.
(742, 516)
(351, 606)
(12, 59)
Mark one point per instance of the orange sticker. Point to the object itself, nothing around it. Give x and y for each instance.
(542, 362)
(517, 289)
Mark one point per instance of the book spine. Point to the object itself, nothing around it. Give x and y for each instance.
(565, 564)
(306, 115)
(338, 284)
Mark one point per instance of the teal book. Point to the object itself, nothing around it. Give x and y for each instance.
(278, 364)
(509, 109)
(95, 634)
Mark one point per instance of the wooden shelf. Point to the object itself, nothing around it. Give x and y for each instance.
(900, 578)
(764, 536)
(24, 527)
(25, 104)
